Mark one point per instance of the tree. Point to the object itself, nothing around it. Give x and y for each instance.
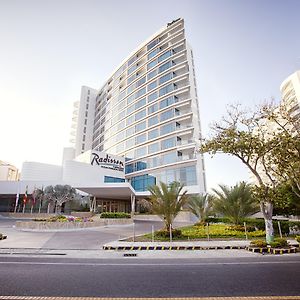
(167, 201)
(38, 194)
(245, 135)
(236, 202)
(59, 194)
(284, 160)
(200, 206)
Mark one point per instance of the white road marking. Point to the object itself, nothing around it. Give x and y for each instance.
(148, 264)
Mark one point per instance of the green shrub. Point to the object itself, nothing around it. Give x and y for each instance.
(298, 238)
(259, 224)
(258, 243)
(114, 215)
(279, 243)
(165, 234)
(217, 220)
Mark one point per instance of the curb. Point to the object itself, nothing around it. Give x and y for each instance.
(138, 248)
(273, 250)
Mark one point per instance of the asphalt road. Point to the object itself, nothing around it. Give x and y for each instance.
(133, 277)
(91, 238)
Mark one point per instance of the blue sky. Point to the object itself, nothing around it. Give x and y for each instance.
(243, 50)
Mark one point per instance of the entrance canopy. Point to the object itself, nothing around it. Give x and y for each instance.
(121, 191)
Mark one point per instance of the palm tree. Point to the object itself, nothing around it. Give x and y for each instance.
(235, 202)
(200, 206)
(167, 201)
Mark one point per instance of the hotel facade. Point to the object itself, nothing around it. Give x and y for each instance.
(140, 128)
(147, 111)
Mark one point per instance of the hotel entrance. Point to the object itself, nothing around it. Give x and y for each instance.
(113, 206)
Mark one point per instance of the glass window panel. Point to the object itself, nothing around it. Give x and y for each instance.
(153, 53)
(152, 97)
(129, 168)
(167, 128)
(131, 69)
(140, 92)
(164, 56)
(140, 126)
(153, 134)
(164, 67)
(140, 103)
(141, 114)
(152, 64)
(168, 143)
(130, 131)
(153, 108)
(141, 151)
(130, 143)
(153, 121)
(141, 81)
(152, 44)
(165, 78)
(120, 147)
(166, 89)
(167, 115)
(153, 148)
(166, 102)
(130, 109)
(169, 158)
(151, 74)
(130, 120)
(141, 138)
(152, 86)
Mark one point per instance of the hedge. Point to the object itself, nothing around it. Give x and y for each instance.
(114, 215)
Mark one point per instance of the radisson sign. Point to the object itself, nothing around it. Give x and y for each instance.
(107, 161)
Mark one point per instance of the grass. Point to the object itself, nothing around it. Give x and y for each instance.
(216, 231)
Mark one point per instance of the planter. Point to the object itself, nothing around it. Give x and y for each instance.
(31, 225)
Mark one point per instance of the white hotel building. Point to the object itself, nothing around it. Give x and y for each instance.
(144, 120)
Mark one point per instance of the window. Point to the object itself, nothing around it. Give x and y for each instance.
(164, 67)
(151, 74)
(120, 147)
(141, 81)
(166, 102)
(141, 126)
(141, 138)
(130, 143)
(141, 114)
(167, 115)
(152, 86)
(165, 55)
(130, 109)
(166, 89)
(130, 131)
(151, 64)
(131, 69)
(141, 151)
(109, 179)
(153, 148)
(153, 121)
(140, 92)
(152, 44)
(129, 168)
(141, 183)
(153, 53)
(167, 128)
(152, 97)
(140, 103)
(153, 108)
(153, 134)
(130, 120)
(169, 158)
(165, 78)
(168, 143)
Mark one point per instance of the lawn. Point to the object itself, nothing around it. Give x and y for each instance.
(216, 231)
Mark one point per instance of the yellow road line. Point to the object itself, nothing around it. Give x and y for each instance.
(179, 298)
